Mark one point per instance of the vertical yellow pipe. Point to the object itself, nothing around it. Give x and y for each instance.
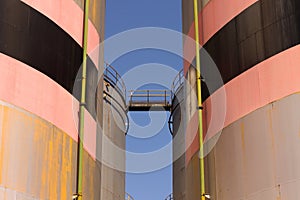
(82, 99)
(199, 98)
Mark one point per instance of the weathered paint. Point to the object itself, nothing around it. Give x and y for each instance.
(40, 160)
(38, 117)
(113, 165)
(252, 159)
(60, 12)
(47, 99)
(178, 142)
(256, 157)
(253, 89)
(215, 14)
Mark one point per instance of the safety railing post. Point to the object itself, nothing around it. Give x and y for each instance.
(165, 97)
(131, 97)
(148, 97)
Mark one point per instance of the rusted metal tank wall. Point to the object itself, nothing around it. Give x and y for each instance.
(38, 160)
(255, 45)
(40, 55)
(113, 149)
(257, 157)
(178, 113)
(96, 14)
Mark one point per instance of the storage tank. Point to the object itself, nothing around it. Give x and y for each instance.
(254, 44)
(40, 54)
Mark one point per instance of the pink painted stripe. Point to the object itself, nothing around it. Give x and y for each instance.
(215, 15)
(33, 91)
(69, 16)
(270, 80)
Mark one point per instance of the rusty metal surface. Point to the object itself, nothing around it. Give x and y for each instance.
(97, 14)
(38, 160)
(178, 112)
(114, 127)
(145, 100)
(256, 157)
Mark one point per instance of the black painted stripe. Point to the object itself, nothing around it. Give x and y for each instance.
(265, 29)
(32, 38)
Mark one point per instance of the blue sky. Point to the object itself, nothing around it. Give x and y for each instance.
(122, 15)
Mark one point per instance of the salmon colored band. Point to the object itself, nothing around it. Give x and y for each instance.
(27, 88)
(269, 81)
(69, 16)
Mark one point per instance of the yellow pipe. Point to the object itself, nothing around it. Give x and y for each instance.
(199, 98)
(82, 100)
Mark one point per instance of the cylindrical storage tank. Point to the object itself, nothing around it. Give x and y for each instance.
(255, 45)
(40, 56)
(115, 126)
(177, 130)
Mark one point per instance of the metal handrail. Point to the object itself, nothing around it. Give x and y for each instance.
(177, 82)
(153, 90)
(169, 197)
(114, 78)
(150, 96)
(128, 196)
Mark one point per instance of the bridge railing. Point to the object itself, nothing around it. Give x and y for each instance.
(114, 78)
(169, 197)
(177, 82)
(149, 97)
(128, 197)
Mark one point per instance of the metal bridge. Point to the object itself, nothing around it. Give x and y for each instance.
(138, 100)
(145, 100)
(155, 100)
